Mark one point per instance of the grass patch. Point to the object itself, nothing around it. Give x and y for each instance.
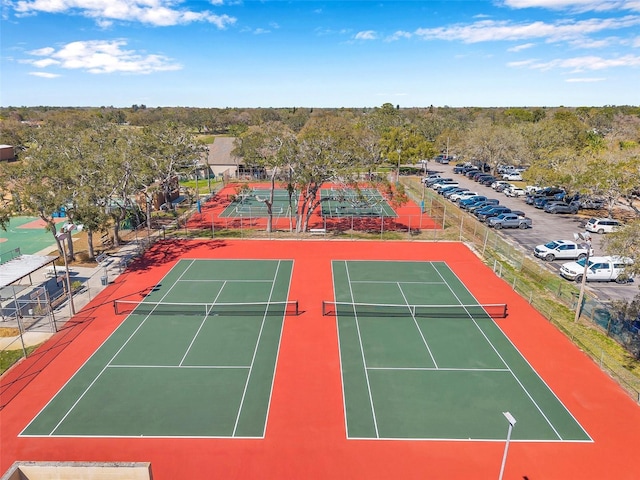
(10, 357)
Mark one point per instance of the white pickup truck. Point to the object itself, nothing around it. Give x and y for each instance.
(599, 269)
(562, 249)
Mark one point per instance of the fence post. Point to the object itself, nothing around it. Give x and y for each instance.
(484, 246)
(444, 216)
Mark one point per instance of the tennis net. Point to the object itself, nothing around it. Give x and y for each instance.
(352, 309)
(126, 307)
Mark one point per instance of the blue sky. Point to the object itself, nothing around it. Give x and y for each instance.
(239, 53)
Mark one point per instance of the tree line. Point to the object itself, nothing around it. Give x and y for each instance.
(92, 160)
(95, 171)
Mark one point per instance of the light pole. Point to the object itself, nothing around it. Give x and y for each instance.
(587, 239)
(512, 422)
(62, 237)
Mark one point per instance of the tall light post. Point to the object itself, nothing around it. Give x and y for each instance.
(587, 239)
(512, 422)
(63, 236)
(398, 171)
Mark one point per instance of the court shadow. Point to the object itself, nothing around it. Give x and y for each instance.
(165, 251)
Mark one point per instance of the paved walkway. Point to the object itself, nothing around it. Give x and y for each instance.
(94, 282)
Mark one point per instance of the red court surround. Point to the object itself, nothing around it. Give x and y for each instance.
(305, 436)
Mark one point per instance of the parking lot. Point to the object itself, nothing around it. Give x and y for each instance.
(546, 227)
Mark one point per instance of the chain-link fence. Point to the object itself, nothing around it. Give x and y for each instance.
(436, 219)
(547, 292)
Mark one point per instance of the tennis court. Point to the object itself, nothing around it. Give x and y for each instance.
(422, 359)
(349, 202)
(251, 203)
(195, 357)
(28, 234)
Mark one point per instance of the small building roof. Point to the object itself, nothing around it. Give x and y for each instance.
(22, 266)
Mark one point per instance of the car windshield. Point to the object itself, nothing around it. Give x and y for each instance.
(582, 260)
(551, 245)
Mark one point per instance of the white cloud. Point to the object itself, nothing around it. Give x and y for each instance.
(45, 62)
(99, 56)
(152, 12)
(519, 48)
(582, 64)
(399, 34)
(44, 74)
(366, 35)
(585, 80)
(575, 5)
(491, 30)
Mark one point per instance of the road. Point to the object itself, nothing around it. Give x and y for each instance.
(546, 227)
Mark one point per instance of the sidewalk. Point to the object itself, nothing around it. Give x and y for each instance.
(94, 281)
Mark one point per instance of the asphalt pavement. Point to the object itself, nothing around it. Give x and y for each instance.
(546, 227)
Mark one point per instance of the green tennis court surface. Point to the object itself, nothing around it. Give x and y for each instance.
(251, 204)
(29, 240)
(348, 202)
(195, 359)
(445, 376)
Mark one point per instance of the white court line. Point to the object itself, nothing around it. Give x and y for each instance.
(415, 322)
(505, 363)
(194, 280)
(115, 355)
(182, 367)
(87, 361)
(201, 325)
(382, 282)
(364, 360)
(441, 369)
(255, 350)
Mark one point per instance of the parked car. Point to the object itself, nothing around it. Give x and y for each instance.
(502, 187)
(563, 249)
(483, 216)
(443, 182)
(591, 203)
(471, 200)
(513, 191)
(443, 159)
(602, 225)
(498, 183)
(433, 179)
(512, 177)
(540, 202)
(561, 207)
(480, 205)
(487, 181)
(599, 269)
(547, 192)
(457, 190)
(447, 188)
(457, 197)
(510, 220)
(438, 187)
(480, 178)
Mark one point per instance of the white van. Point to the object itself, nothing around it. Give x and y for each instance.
(602, 225)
